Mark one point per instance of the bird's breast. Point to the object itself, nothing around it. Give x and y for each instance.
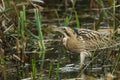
(72, 44)
(65, 39)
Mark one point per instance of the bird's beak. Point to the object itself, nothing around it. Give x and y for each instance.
(58, 29)
(62, 28)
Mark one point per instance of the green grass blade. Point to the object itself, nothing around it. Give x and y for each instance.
(50, 69)
(34, 68)
(66, 21)
(77, 20)
(57, 71)
(40, 35)
(100, 20)
(22, 22)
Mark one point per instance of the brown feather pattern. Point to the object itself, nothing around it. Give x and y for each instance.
(83, 41)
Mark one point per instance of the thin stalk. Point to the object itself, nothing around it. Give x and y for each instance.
(77, 20)
(66, 21)
(115, 22)
(57, 71)
(22, 23)
(50, 69)
(40, 36)
(116, 64)
(34, 67)
(99, 21)
(21, 34)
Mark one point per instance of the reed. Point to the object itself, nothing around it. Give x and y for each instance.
(34, 68)
(50, 70)
(22, 37)
(77, 20)
(113, 4)
(38, 19)
(22, 23)
(57, 70)
(67, 20)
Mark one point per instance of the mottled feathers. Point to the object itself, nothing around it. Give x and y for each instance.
(85, 39)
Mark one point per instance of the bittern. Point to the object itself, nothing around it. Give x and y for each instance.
(83, 41)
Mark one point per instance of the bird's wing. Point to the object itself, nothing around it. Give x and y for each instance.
(87, 34)
(92, 39)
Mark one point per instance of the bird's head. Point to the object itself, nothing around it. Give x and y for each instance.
(66, 31)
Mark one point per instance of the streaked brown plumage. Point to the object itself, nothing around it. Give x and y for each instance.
(83, 41)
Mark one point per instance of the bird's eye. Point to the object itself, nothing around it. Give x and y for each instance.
(64, 29)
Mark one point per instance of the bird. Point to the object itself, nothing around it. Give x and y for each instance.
(83, 41)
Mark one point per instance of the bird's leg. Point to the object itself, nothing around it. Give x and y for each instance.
(83, 54)
(82, 58)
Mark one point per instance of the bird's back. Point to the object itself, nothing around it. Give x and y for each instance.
(93, 39)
